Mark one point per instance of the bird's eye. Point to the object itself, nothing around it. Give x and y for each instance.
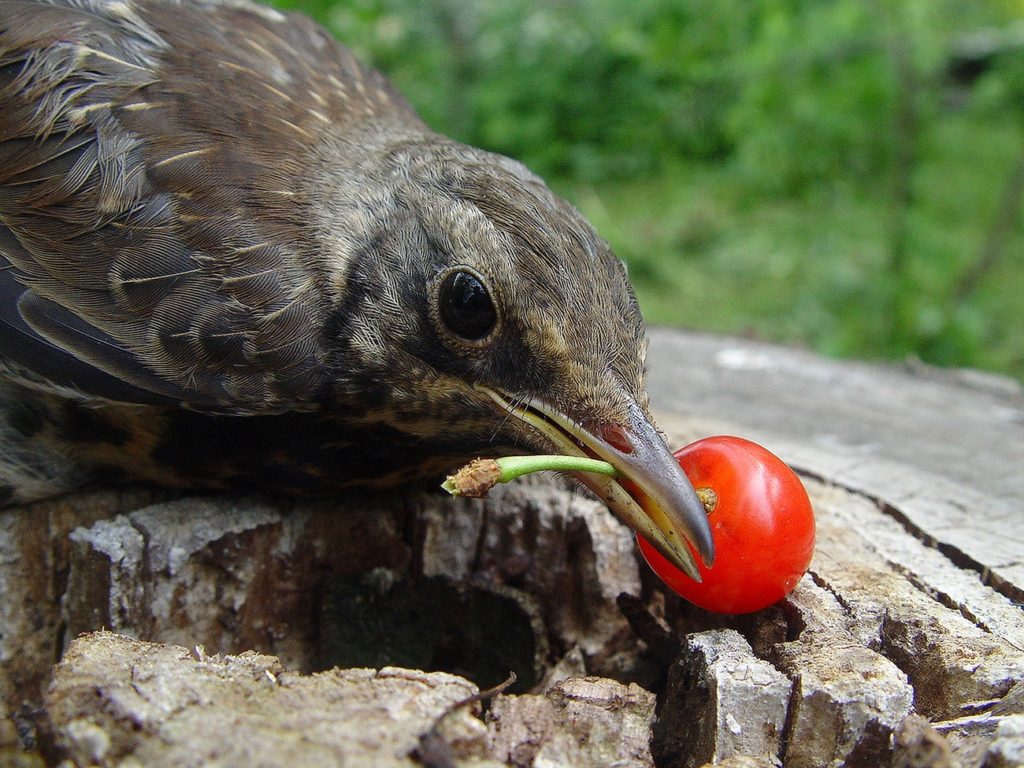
(465, 307)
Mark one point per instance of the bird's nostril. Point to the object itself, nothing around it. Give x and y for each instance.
(617, 438)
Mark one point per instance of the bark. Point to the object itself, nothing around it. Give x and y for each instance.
(246, 631)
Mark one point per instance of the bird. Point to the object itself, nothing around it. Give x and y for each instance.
(233, 257)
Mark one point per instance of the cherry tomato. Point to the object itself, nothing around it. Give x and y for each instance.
(762, 525)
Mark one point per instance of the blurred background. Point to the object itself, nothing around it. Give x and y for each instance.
(844, 174)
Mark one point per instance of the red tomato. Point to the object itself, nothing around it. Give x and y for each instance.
(762, 525)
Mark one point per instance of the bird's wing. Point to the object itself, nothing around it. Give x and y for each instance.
(155, 167)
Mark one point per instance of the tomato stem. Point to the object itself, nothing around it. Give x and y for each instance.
(708, 498)
(479, 476)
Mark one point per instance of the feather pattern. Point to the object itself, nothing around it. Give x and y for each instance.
(158, 229)
(211, 207)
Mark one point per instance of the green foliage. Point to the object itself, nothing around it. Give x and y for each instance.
(835, 172)
(591, 89)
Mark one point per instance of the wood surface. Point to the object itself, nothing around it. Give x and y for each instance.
(903, 646)
(943, 450)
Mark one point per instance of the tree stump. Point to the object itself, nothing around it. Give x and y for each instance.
(273, 632)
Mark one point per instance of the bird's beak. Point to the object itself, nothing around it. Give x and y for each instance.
(652, 495)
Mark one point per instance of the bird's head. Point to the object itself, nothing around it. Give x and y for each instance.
(500, 321)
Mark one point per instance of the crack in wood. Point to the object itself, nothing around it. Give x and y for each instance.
(955, 555)
(822, 582)
(943, 598)
(792, 707)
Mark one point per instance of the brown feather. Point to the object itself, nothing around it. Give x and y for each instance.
(216, 206)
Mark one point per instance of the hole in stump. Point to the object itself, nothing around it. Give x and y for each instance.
(432, 623)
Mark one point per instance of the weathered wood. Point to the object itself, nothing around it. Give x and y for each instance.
(34, 548)
(939, 451)
(920, 532)
(580, 722)
(848, 699)
(722, 701)
(916, 744)
(230, 574)
(114, 698)
(1007, 749)
(911, 608)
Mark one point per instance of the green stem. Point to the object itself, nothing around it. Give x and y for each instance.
(479, 476)
(516, 466)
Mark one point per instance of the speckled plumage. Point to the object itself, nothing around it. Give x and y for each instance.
(220, 239)
(231, 256)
